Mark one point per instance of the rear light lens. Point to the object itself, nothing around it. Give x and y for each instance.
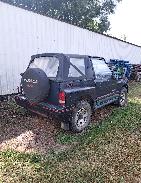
(62, 98)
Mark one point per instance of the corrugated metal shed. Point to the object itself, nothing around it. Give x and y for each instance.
(24, 33)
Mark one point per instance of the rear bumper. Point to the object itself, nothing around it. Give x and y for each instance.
(41, 107)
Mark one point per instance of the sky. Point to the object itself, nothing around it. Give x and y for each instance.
(127, 21)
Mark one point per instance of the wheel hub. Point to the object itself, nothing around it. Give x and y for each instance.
(81, 117)
(122, 98)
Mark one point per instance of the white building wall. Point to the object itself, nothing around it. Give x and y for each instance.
(24, 33)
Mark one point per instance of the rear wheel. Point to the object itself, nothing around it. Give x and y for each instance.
(122, 101)
(81, 116)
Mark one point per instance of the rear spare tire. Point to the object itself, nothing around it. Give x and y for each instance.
(35, 84)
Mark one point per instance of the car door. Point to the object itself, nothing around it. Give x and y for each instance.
(103, 78)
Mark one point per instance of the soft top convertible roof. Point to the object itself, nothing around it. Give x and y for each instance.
(62, 54)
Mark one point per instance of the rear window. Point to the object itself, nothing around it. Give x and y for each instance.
(49, 65)
(79, 63)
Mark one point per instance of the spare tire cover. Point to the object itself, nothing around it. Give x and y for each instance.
(35, 84)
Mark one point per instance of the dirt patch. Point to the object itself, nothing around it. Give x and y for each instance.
(26, 132)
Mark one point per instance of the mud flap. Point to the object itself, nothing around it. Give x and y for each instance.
(65, 126)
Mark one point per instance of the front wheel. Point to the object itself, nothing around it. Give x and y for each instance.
(81, 116)
(123, 100)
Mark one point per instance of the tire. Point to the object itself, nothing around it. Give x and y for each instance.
(123, 100)
(35, 84)
(81, 116)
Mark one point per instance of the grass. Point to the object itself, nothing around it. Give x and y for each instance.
(108, 152)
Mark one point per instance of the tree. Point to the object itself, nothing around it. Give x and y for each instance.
(89, 14)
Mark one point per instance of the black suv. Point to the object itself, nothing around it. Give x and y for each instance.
(71, 86)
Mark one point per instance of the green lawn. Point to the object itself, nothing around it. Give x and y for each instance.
(108, 152)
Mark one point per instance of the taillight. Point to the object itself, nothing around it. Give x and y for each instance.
(62, 98)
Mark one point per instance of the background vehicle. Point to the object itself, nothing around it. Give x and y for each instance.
(71, 86)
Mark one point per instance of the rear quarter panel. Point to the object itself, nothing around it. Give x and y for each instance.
(74, 95)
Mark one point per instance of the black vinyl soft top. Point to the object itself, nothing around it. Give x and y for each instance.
(64, 68)
(62, 54)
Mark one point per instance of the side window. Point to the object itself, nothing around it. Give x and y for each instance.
(101, 69)
(79, 63)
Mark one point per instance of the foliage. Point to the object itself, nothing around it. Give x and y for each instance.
(89, 14)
